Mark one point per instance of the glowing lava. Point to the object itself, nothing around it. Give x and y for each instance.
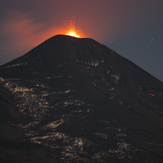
(72, 32)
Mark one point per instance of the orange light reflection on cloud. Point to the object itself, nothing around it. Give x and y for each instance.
(25, 35)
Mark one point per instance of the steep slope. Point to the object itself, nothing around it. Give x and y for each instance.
(86, 103)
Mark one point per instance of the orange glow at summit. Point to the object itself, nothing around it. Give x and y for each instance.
(72, 31)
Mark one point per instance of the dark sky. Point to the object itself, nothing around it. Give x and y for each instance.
(132, 28)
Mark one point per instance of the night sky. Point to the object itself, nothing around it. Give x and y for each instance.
(132, 28)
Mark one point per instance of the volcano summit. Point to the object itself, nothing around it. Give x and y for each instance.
(75, 100)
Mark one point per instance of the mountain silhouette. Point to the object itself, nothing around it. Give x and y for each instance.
(75, 100)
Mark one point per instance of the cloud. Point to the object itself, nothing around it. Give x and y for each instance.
(23, 34)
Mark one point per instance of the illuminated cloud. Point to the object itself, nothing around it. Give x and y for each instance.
(24, 34)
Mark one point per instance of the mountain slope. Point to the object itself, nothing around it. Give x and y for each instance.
(86, 103)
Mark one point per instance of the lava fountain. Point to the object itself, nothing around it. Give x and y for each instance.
(72, 31)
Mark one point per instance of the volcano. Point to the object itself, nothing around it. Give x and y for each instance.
(75, 100)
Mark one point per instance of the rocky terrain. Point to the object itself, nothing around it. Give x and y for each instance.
(75, 100)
